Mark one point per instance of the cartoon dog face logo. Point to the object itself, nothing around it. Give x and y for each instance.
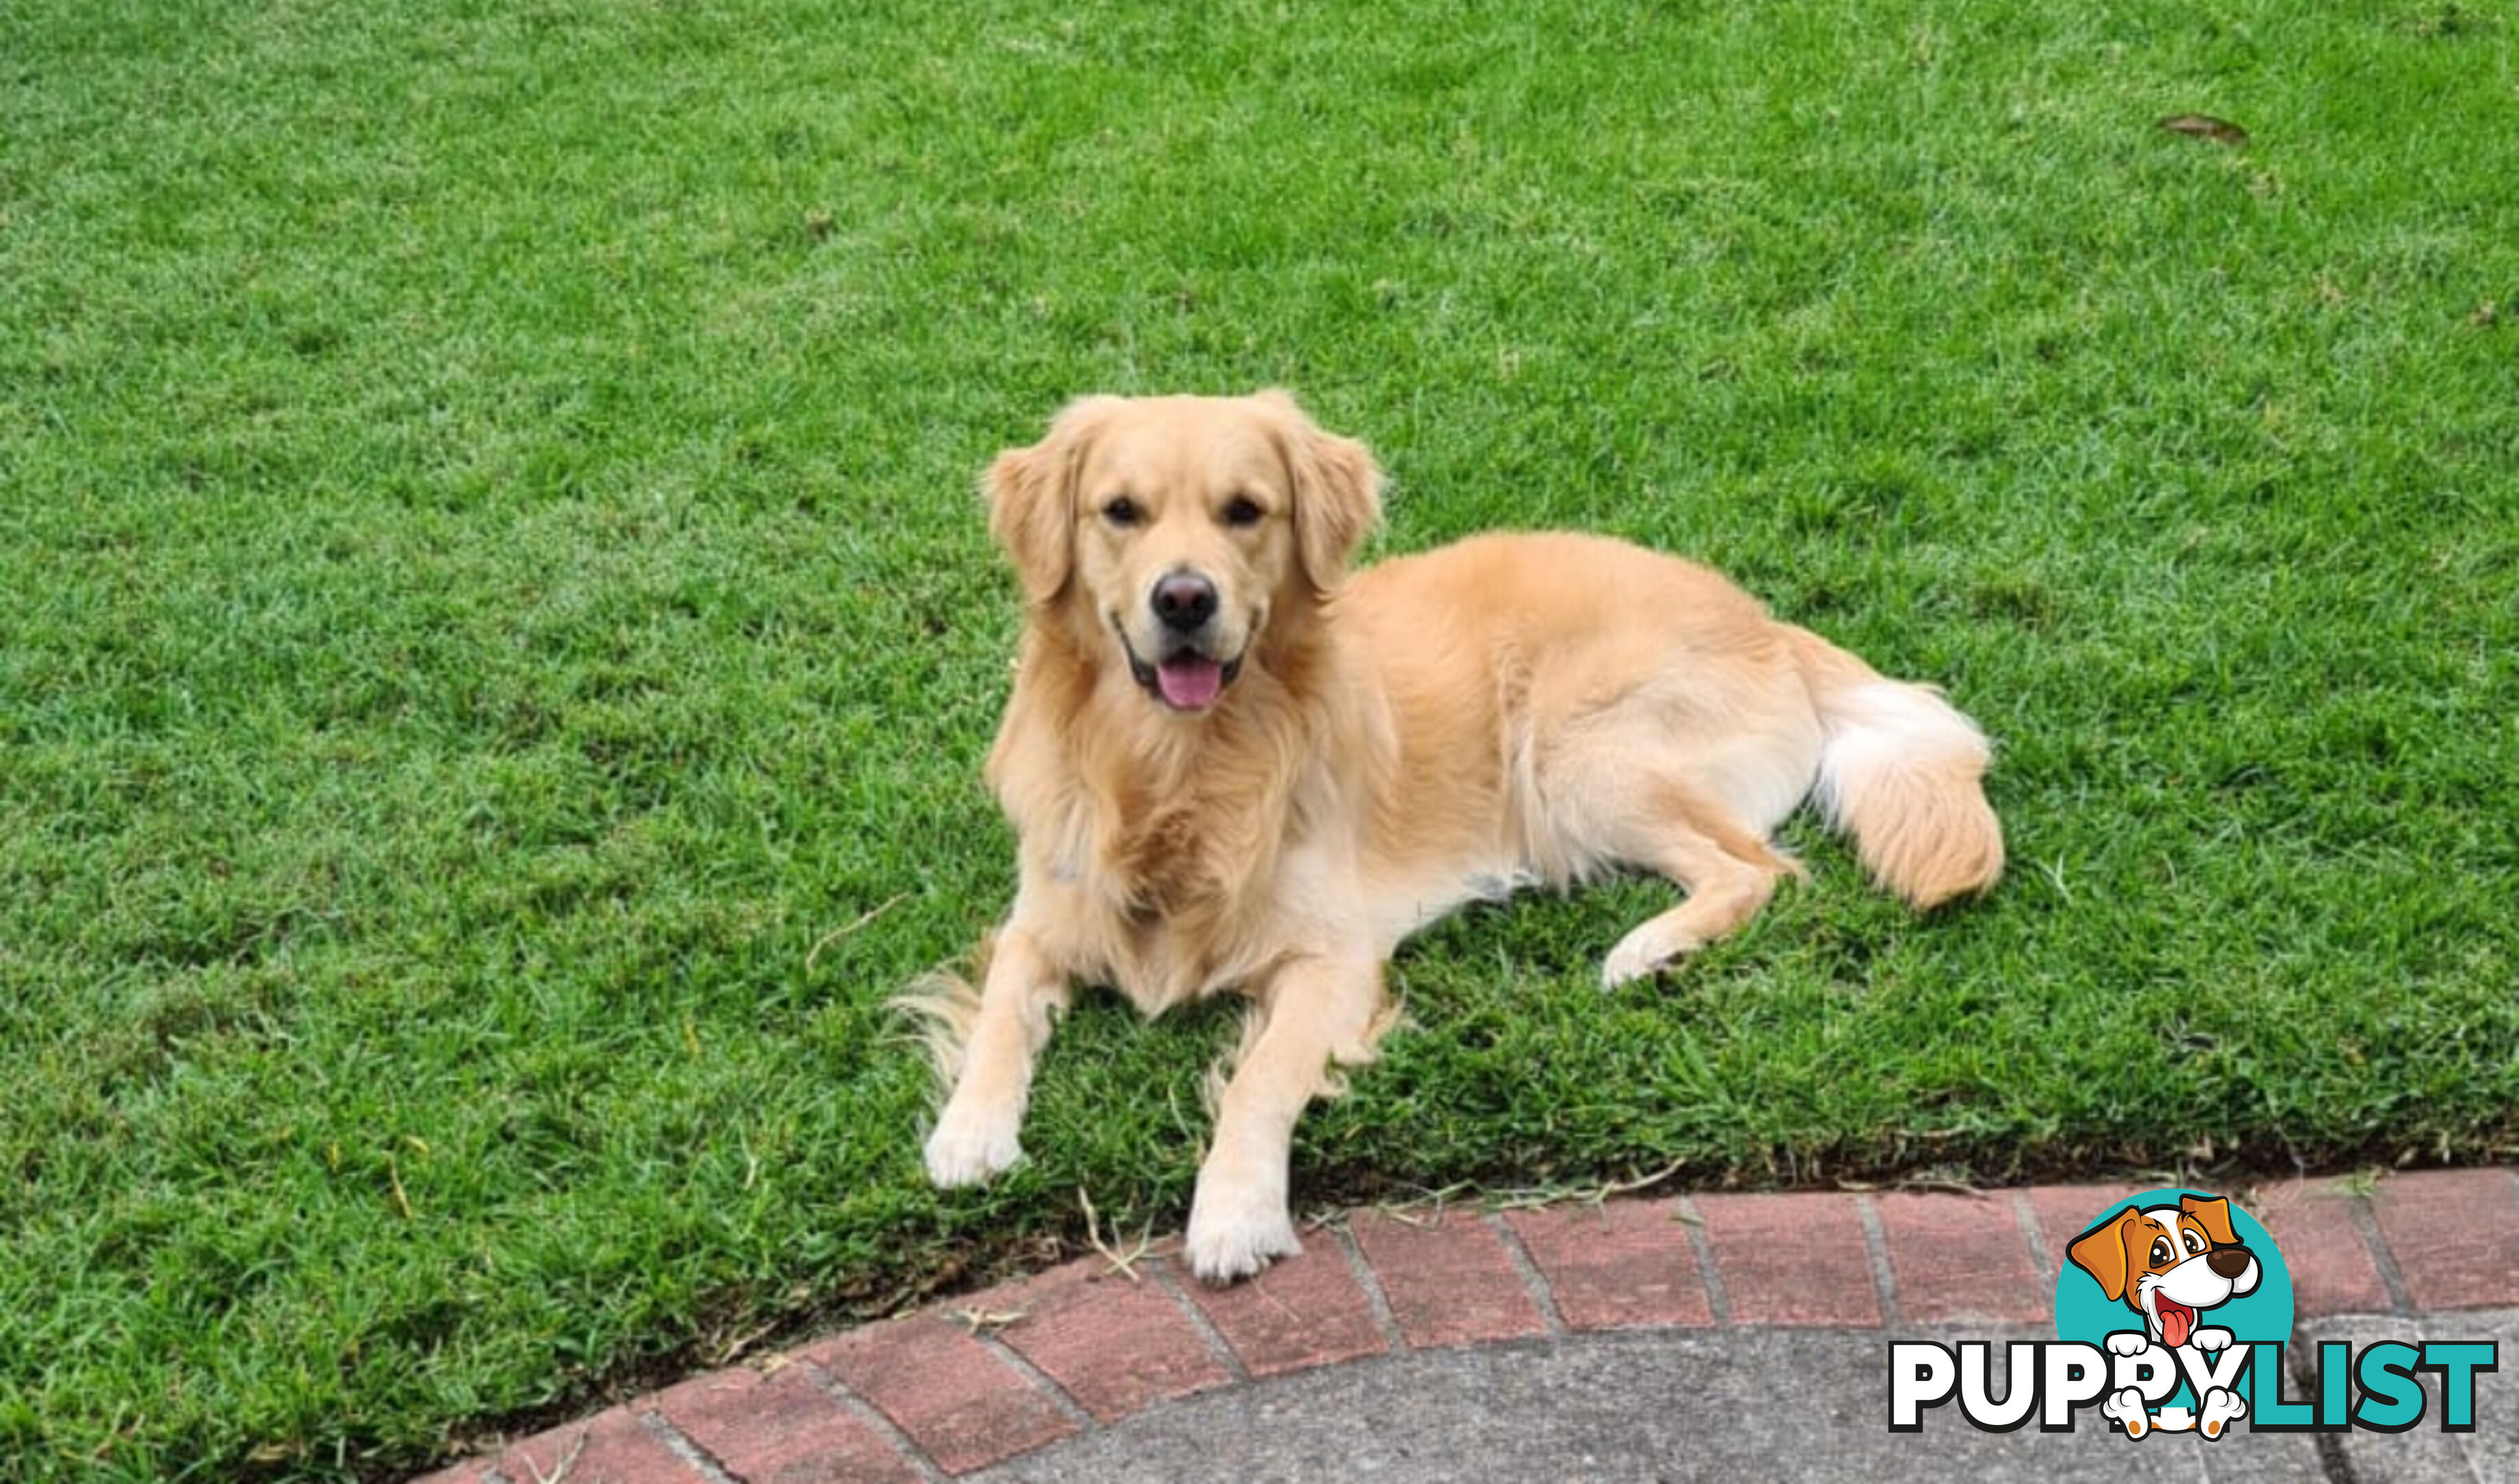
(2169, 1263)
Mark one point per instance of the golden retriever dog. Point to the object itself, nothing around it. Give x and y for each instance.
(1230, 767)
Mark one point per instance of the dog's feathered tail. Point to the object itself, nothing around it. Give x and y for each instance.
(1903, 772)
(939, 1008)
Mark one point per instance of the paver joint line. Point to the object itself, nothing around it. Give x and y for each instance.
(1718, 1299)
(681, 1446)
(2365, 1225)
(1217, 1348)
(2025, 1219)
(1535, 1284)
(1376, 1301)
(883, 1427)
(1876, 1253)
(1043, 1381)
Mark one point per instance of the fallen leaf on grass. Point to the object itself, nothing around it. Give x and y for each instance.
(2205, 126)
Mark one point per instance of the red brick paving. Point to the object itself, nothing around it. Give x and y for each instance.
(1099, 1345)
(1962, 1257)
(1304, 1312)
(948, 1392)
(609, 1448)
(1116, 1346)
(1791, 1260)
(1619, 1265)
(2066, 1211)
(784, 1428)
(2455, 1234)
(1450, 1281)
(2332, 1271)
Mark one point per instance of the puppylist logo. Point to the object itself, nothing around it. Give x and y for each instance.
(2173, 1314)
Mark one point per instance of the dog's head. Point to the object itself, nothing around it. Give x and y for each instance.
(1174, 528)
(2169, 1262)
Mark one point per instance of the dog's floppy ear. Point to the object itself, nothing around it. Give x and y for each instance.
(2100, 1252)
(2214, 1213)
(1032, 500)
(1337, 491)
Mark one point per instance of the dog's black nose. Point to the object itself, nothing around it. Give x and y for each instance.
(2229, 1261)
(1184, 601)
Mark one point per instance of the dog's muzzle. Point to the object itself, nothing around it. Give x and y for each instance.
(1185, 678)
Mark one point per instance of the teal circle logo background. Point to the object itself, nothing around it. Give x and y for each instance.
(2084, 1311)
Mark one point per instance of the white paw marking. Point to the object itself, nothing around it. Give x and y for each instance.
(1235, 1233)
(968, 1147)
(2210, 1339)
(2129, 1342)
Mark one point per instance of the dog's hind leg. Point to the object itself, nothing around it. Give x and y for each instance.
(1689, 786)
(1317, 1011)
(1728, 872)
(977, 1135)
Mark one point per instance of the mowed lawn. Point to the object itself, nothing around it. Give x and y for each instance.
(497, 636)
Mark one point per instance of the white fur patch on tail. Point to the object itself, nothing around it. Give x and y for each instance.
(1901, 769)
(1880, 726)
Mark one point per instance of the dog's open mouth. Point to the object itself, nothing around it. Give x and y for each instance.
(1184, 679)
(2177, 1319)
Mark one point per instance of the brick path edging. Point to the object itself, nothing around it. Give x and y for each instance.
(986, 1377)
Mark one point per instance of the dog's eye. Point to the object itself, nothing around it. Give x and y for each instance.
(2161, 1251)
(2194, 1244)
(1243, 511)
(1120, 510)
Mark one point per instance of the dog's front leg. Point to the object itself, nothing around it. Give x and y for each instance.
(1317, 1010)
(978, 1134)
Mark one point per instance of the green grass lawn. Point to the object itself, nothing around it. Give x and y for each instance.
(497, 638)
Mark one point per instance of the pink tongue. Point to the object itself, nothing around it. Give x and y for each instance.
(2176, 1321)
(1190, 682)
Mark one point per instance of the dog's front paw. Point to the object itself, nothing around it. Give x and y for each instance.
(2221, 1409)
(2210, 1338)
(2129, 1342)
(969, 1147)
(1234, 1234)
